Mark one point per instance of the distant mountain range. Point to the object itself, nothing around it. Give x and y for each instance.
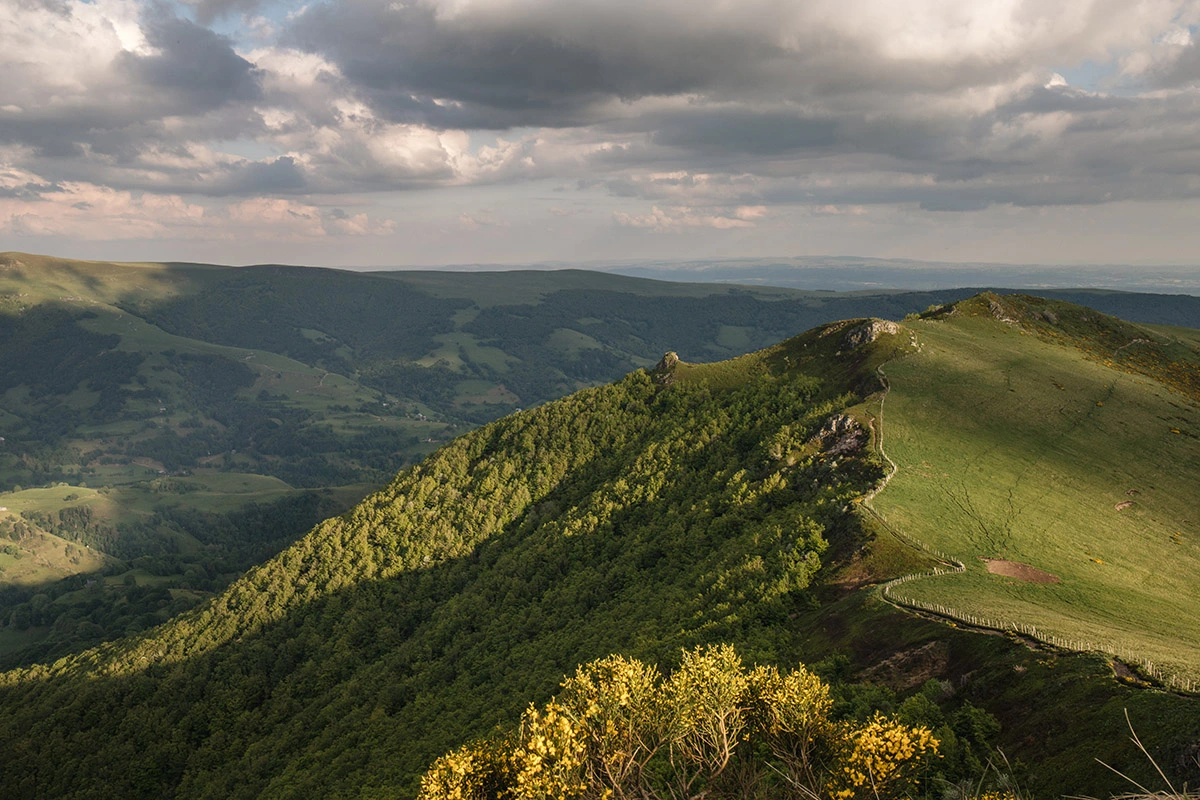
(852, 273)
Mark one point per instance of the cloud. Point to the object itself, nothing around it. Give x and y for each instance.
(712, 114)
(209, 10)
(100, 213)
(542, 63)
(840, 211)
(681, 217)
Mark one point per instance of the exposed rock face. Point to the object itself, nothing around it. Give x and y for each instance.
(664, 370)
(1000, 312)
(868, 332)
(840, 435)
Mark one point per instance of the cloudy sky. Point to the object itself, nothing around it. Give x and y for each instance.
(394, 132)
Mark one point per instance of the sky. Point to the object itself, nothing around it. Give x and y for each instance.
(425, 132)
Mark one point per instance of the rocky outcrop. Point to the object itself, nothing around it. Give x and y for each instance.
(664, 370)
(840, 435)
(910, 668)
(868, 332)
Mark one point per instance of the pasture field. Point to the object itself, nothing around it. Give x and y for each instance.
(1015, 447)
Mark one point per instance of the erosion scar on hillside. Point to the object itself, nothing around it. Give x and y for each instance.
(1015, 569)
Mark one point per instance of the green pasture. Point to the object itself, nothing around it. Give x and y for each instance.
(734, 337)
(475, 391)
(453, 346)
(38, 557)
(39, 278)
(571, 343)
(205, 490)
(1016, 448)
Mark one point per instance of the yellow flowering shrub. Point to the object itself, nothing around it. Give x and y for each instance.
(793, 717)
(878, 759)
(712, 730)
(706, 703)
(617, 703)
(468, 773)
(547, 759)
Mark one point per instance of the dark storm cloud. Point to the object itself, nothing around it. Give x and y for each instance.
(195, 70)
(503, 71)
(556, 64)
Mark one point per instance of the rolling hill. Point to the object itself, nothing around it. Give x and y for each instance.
(688, 504)
(163, 427)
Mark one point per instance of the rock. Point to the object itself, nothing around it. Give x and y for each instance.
(868, 332)
(909, 669)
(840, 435)
(664, 370)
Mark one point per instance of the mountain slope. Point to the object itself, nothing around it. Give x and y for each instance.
(151, 413)
(658, 512)
(1030, 432)
(693, 504)
(172, 404)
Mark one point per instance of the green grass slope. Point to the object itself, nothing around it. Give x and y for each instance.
(1045, 434)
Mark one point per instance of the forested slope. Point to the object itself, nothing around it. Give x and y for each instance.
(685, 506)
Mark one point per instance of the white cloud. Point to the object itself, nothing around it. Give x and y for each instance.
(99, 213)
(840, 211)
(714, 114)
(679, 218)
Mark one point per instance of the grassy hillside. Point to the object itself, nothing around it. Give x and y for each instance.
(688, 505)
(1042, 434)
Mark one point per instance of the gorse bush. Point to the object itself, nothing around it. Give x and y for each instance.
(711, 729)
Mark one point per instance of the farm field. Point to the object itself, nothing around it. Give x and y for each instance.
(1014, 446)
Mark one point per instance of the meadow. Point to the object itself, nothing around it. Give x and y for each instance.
(1014, 445)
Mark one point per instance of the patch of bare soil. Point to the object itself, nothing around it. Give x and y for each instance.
(1022, 572)
(909, 669)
